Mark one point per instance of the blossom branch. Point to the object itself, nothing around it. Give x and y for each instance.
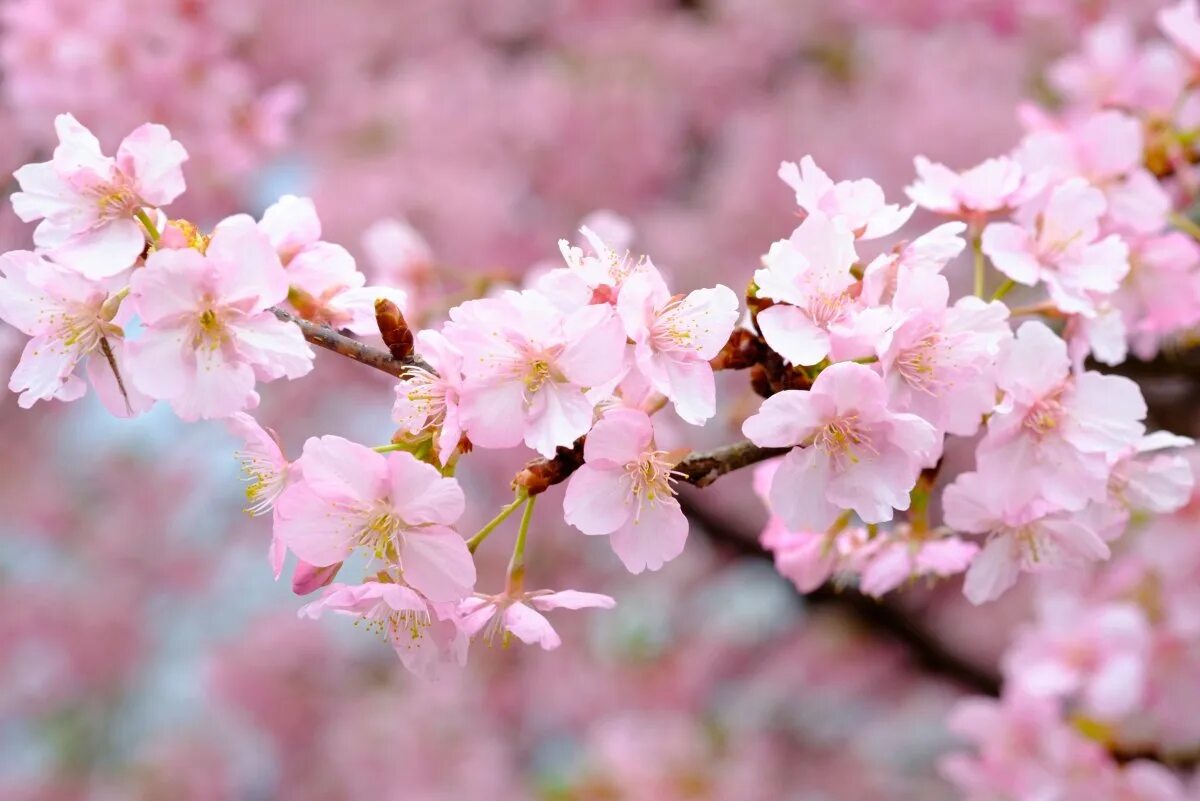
(326, 337)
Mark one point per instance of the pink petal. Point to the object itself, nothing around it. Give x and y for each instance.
(436, 562)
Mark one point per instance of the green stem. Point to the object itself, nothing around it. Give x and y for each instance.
(147, 223)
(1186, 224)
(492, 524)
(391, 446)
(980, 265)
(1004, 289)
(516, 565)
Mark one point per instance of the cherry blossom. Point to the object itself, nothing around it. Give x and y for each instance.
(425, 636)
(1058, 242)
(675, 337)
(267, 474)
(849, 450)
(993, 185)
(1053, 433)
(624, 490)
(809, 277)
(396, 508)
(519, 614)
(939, 362)
(1180, 23)
(428, 400)
(526, 366)
(70, 321)
(87, 201)
(210, 334)
(860, 204)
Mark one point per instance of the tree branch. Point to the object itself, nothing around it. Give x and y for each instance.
(880, 616)
(325, 337)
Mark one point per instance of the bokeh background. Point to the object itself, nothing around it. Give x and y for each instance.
(146, 653)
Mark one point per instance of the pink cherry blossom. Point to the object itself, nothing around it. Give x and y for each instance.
(993, 185)
(527, 365)
(1181, 24)
(520, 615)
(898, 556)
(1053, 433)
(1095, 655)
(624, 490)
(1021, 537)
(860, 204)
(594, 275)
(809, 277)
(210, 333)
(930, 252)
(267, 473)
(424, 635)
(70, 320)
(398, 509)
(324, 284)
(849, 450)
(429, 401)
(938, 362)
(1057, 241)
(1161, 295)
(674, 338)
(1113, 70)
(87, 201)
(397, 253)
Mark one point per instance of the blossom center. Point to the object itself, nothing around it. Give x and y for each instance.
(378, 535)
(1046, 415)
(918, 365)
(844, 440)
(649, 480)
(824, 309)
(264, 482)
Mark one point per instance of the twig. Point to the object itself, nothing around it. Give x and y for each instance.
(879, 616)
(325, 337)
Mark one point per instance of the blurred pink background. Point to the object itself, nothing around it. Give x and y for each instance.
(146, 651)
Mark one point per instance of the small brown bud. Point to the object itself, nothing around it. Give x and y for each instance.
(743, 350)
(395, 331)
(542, 474)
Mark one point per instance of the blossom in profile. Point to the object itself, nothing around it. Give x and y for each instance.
(860, 204)
(426, 636)
(87, 201)
(519, 614)
(992, 185)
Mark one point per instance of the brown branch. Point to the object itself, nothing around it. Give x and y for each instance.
(880, 616)
(325, 337)
(699, 469)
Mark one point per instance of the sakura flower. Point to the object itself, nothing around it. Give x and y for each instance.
(324, 284)
(1097, 654)
(930, 252)
(429, 401)
(398, 253)
(424, 635)
(809, 277)
(1058, 242)
(993, 185)
(860, 204)
(1053, 433)
(1146, 479)
(1181, 24)
(1161, 295)
(849, 450)
(675, 337)
(70, 321)
(397, 508)
(1105, 149)
(210, 333)
(527, 365)
(1021, 536)
(624, 490)
(902, 555)
(938, 361)
(87, 201)
(594, 275)
(519, 614)
(267, 473)
(1113, 70)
